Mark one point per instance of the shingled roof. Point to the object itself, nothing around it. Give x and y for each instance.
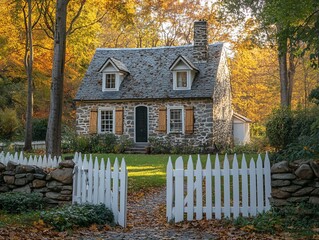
(149, 74)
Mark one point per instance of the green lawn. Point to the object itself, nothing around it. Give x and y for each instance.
(146, 171)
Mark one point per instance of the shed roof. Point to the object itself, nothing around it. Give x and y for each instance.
(241, 117)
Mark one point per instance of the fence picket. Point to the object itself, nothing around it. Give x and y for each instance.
(260, 185)
(190, 189)
(79, 179)
(218, 193)
(235, 187)
(252, 183)
(102, 182)
(169, 189)
(179, 190)
(208, 170)
(115, 190)
(45, 161)
(244, 184)
(226, 188)
(199, 190)
(95, 181)
(123, 194)
(90, 179)
(267, 173)
(108, 193)
(84, 180)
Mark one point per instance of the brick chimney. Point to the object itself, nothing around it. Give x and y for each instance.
(200, 49)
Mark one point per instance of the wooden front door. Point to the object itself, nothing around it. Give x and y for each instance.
(141, 124)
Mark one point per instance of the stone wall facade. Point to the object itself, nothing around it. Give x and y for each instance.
(222, 111)
(55, 186)
(295, 182)
(203, 119)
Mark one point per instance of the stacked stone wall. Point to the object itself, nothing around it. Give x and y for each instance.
(55, 185)
(295, 182)
(203, 120)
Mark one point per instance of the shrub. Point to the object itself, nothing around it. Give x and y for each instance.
(122, 144)
(16, 202)
(39, 129)
(303, 138)
(279, 128)
(9, 123)
(68, 217)
(160, 146)
(108, 142)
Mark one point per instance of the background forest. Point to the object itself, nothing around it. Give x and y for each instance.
(253, 31)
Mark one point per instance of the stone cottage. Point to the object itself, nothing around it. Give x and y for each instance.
(178, 92)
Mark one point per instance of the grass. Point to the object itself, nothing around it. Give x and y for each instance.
(146, 171)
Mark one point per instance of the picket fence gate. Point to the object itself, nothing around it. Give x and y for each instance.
(99, 183)
(39, 161)
(251, 189)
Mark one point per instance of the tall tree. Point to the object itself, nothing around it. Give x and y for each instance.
(53, 137)
(28, 65)
(279, 20)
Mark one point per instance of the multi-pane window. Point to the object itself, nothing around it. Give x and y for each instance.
(106, 121)
(176, 120)
(181, 80)
(109, 81)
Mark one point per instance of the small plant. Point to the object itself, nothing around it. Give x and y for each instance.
(298, 218)
(16, 202)
(69, 217)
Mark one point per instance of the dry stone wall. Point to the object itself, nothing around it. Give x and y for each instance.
(295, 182)
(54, 185)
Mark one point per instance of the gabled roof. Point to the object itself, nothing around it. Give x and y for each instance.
(184, 60)
(150, 76)
(241, 117)
(116, 63)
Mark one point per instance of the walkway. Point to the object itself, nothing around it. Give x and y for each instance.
(147, 220)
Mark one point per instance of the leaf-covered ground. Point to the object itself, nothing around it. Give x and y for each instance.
(146, 220)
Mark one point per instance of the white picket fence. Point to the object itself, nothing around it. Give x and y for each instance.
(40, 161)
(210, 192)
(99, 183)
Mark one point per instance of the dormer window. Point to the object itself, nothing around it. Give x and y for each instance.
(113, 73)
(109, 81)
(182, 80)
(183, 73)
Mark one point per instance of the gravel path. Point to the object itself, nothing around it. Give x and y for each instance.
(147, 220)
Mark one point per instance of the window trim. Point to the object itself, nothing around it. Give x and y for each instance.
(188, 83)
(104, 88)
(99, 120)
(169, 119)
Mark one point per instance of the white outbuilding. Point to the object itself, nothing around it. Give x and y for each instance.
(241, 129)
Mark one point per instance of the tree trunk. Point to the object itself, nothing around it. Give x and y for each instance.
(285, 78)
(28, 63)
(284, 99)
(291, 75)
(53, 137)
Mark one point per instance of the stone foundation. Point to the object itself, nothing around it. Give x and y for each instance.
(295, 182)
(55, 185)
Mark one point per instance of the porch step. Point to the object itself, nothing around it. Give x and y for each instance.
(140, 148)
